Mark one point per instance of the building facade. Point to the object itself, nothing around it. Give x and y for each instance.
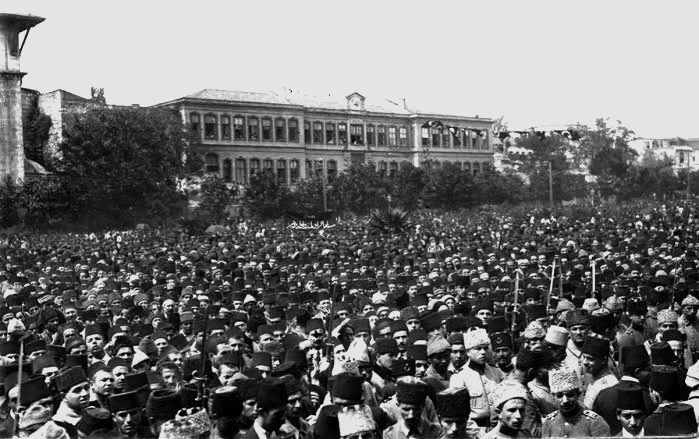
(682, 152)
(240, 134)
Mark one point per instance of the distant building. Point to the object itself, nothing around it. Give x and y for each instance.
(295, 136)
(684, 153)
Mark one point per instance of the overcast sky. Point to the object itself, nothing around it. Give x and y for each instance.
(537, 63)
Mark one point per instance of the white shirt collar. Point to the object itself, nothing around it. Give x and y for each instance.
(261, 433)
(630, 378)
(625, 433)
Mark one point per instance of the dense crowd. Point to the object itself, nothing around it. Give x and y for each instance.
(496, 323)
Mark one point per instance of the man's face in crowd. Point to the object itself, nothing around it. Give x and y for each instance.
(567, 401)
(266, 339)
(127, 421)
(689, 312)
(103, 383)
(412, 324)
(411, 413)
(458, 355)
(401, 337)
(171, 379)
(631, 420)
(119, 373)
(421, 368)
(294, 404)
(512, 414)
(272, 419)
(477, 354)
(249, 413)
(578, 333)
(535, 344)
(666, 326)
(593, 364)
(386, 360)
(440, 361)
(484, 315)
(125, 353)
(78, 396)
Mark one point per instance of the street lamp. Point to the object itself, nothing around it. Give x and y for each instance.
(388, 198)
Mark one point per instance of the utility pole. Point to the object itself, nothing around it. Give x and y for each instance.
(550, 187)
(689, 175)
(325, 193)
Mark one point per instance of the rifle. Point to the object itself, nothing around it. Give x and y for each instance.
(200, 374)
(514, 308)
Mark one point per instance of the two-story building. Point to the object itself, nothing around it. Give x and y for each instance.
(295, 136)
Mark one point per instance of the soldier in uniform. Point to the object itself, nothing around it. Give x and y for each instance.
(478, 377)
(571, 419)
(689, 325)
(595, 352)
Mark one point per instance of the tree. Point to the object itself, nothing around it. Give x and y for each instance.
(606, 149)
(215, 196)
(116, 163)
(359, 189)
(407, 186)
(449, 187)
(266, 197)
(35, 132)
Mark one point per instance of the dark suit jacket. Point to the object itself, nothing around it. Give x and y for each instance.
(606, 404)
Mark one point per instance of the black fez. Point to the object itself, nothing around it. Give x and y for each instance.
(271, 394)
(630, 397)
(124, 401)
(596, 346)
(347, 386)
(453, 403)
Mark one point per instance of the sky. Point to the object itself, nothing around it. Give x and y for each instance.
(540, 64)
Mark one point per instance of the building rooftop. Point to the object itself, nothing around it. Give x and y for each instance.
(294, 98)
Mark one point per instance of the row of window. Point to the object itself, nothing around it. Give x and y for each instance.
(287, 171)
(280, 129)
(241, 170)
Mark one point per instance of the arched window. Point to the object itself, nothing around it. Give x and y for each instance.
(195, 123)
(226, 127)
(253, 129)
(294, 171)
(281, 171)
(241, 176)
(467, 166)
(392, 169)
(280, 129)
(476, 168)
(254, 167)
(268, 165)
(267, 129)
(329, 133)
(210, 127)
(402, 136)
(239, 128)
(211, 163)
(319, 168)
(227, 170)
(293, 130)
(382, 167)
(309, 169)
(435, 137)
(332, 170)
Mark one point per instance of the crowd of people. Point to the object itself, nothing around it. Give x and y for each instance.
(496, 323)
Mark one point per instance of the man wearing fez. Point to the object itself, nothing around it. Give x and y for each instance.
(635, 364)
(452, 407)
(692, 382)
(502, 347)
(101, 384)
(595, 355)
(631, 411)
(74, 392)
(509, 399)
(410, 395)
(578, 326)
(571, 419)
(271, 410)
(37, 400)
(127, 412)
(478, 377)
(689, 325)
(226, 406)
(386, 351)
(438, 354)
(95, 340)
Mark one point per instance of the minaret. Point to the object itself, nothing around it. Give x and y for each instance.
(11, 139)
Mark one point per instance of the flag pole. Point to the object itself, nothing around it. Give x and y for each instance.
(514, 308)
